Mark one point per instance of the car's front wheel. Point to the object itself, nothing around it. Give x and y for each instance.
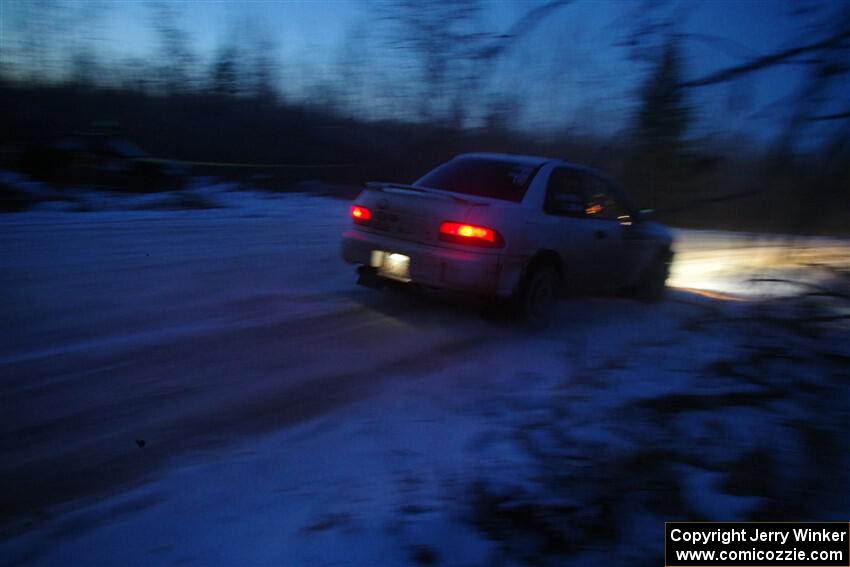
(654, 282)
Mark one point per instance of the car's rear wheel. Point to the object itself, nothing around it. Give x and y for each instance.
(537, 294)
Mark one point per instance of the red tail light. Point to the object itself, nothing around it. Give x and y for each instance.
(360, 215)
(470, 234)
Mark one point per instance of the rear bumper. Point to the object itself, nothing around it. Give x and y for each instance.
(435, 266)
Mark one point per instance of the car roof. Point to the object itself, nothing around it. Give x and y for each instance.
(535, 161)
(516, 158)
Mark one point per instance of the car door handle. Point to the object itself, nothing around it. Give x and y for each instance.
(600, 235)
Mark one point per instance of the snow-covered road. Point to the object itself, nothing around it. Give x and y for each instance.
(210, 387)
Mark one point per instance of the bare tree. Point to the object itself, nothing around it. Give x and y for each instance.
(264, 67)
(177, 59)
(454, 56)
(224, 79)
(33, 48)
(83, 70)
(352, 69)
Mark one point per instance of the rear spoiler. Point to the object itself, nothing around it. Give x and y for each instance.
(381, 185)
(387, 187)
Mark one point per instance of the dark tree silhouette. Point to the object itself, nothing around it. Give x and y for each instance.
(664, 115)
(177, 59)
(224, 79)
(662, 121)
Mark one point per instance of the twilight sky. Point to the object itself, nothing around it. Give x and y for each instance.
(568, 72)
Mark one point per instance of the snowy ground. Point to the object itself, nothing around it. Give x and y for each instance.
(288, 417)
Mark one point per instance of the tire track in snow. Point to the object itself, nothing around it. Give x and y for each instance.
(184, 416)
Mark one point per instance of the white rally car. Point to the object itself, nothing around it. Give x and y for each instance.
(508, 226)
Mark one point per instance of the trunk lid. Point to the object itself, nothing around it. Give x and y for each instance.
(412, 213)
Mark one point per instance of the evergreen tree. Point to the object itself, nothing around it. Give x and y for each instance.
(664, 115)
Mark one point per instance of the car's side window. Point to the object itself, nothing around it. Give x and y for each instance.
(601, 201)
(564, 196)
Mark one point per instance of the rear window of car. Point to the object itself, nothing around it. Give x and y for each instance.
(482, 178)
